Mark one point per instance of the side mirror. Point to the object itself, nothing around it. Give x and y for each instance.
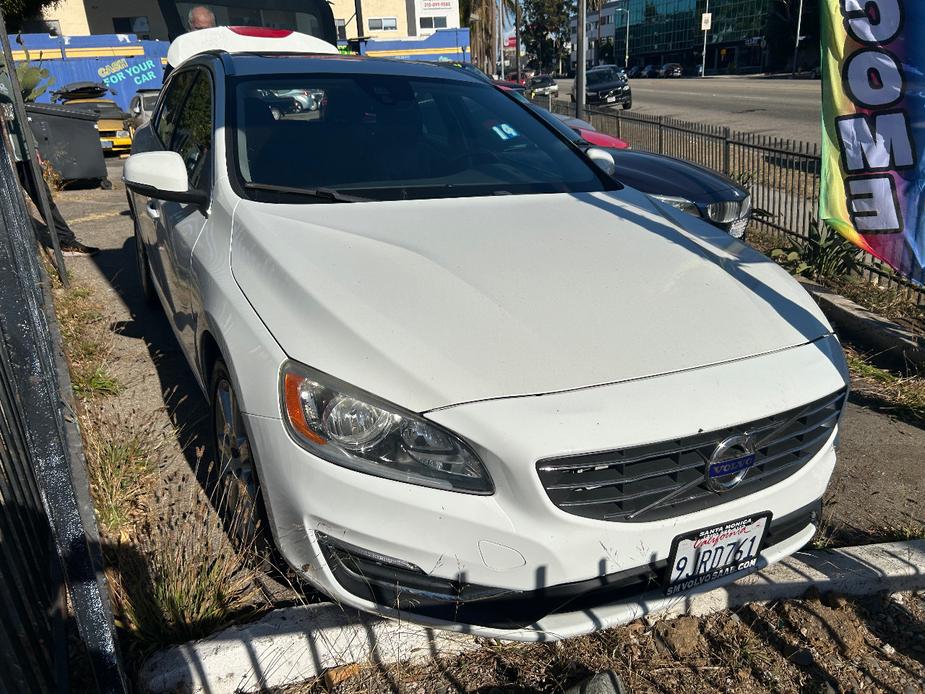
(161, 175)
(136, 109)
(603, 160)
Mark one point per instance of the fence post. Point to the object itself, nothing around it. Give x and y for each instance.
(726, 150)
(619, 120)
(660, 135)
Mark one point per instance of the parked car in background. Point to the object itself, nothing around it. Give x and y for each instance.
(578, 131)
(471, 69)
(634, 71)
(691, 188)
(694, 189)
(607, 84)
(671, 70)
(649, 71)
(542, 85)
(113, 122)
(461, 374)
(142, 106)
(589, 134)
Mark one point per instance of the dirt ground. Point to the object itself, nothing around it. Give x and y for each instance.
(814, 646)
(878, 493)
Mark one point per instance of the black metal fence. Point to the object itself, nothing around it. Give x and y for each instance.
(54, 609)
(783, 176)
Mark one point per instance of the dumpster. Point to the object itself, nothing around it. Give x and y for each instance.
(69, 140)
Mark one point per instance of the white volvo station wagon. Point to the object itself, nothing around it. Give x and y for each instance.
(466, 376)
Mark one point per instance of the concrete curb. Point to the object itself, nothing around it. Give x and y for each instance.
(890, 341)
(294, 644)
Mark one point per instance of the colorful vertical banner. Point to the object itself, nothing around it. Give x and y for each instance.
(873, 121)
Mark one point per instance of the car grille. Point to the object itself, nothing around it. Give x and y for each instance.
(661, 480)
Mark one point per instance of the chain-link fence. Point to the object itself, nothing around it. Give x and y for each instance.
(783, 176)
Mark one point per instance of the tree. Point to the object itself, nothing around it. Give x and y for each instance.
(15, 11)
(546, 33)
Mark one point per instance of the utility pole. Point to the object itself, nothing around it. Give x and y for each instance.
(706, 22)
(361, 28)
(796, 44)
(517, 37)
(580, 59)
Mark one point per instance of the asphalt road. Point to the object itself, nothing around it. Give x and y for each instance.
(777, 107)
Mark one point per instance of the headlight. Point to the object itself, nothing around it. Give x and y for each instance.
(682, 204)
(122, 133)
(730, 210)
(356, 430)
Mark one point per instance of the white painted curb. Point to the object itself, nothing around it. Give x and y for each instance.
(294, 644)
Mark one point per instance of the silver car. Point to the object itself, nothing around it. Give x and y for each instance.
(142, 106)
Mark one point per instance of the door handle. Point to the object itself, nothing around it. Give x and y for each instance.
(151, 209)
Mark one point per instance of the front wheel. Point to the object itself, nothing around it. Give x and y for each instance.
(239, 498)
(627, 105)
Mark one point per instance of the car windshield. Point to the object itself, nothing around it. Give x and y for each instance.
(540, 81)
(600, 76)
(385, 137)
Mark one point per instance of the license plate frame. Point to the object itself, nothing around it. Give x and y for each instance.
(728, 564)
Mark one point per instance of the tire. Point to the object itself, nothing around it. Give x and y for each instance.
(105, 184)
(627, 105)
(238, 494)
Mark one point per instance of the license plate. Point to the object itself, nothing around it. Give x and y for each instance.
(106, 144)
(707, 555)
(611, 99)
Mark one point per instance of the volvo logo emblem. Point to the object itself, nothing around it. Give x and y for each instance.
(729, 463)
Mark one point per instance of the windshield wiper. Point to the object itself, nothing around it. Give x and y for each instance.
(325, 194)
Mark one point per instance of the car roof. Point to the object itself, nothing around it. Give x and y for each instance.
(250, 64)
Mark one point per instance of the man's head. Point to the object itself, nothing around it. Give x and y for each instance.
(200, 17)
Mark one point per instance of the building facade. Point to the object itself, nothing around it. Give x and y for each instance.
(747, 36)
(383, 19)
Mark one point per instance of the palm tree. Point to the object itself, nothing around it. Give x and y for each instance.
(484, 37)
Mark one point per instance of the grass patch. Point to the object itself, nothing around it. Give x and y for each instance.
(87, 342)
(183, 579)
(123, 457)
(903, 396)
(895, 303)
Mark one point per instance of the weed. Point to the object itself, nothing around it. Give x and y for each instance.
(903, 395)
(184, 580)
(824, 253)
(123, 456)
(88, 384)
(87, 343)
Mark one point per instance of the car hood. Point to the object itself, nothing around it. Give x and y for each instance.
(430, 303)
(663, 175)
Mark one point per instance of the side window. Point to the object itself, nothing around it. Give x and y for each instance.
(173, 99)
(192, 135)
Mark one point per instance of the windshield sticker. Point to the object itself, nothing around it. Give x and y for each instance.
(505, 131)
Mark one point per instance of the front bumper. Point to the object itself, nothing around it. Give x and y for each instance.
(615, 97)
(510, 549)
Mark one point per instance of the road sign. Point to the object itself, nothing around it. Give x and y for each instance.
(706, 21)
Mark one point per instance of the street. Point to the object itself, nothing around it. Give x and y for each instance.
(774, 107)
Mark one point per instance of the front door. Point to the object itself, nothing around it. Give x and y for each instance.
(183, 223)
